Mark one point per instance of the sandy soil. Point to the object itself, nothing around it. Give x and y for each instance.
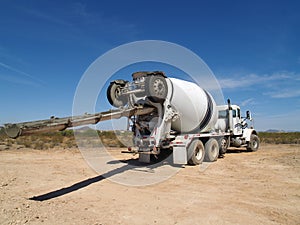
(58, 187)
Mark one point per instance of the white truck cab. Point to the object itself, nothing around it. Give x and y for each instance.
(231, 121)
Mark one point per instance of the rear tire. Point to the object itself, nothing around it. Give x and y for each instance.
(156, 88)
(253, 144)
(114, 95)
(211, 150)
(196, 152)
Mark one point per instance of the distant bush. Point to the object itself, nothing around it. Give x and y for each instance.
(66, 139)
(2, 132)
(67, 133)
(280, 137)
(116, 138)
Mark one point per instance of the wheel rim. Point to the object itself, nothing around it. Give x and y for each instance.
(254, 144)
(159, 87)
(199, 154)
(118, 92)
(223, 143)
(214, 150)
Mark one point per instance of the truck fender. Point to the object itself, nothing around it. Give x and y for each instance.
(247, 134)
(120, 82)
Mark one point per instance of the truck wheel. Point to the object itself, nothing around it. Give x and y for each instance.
(253, 144)
(196, 152)
(211, 150)
(223, 145)
(114, 95)
(156, 88)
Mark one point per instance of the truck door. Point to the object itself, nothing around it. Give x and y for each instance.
(237, 126)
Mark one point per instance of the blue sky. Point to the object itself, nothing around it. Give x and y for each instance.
(252, 47)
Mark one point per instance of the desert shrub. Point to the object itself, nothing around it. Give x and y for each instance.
(27, 143)
(9, 142)
(40, 145)
(66, 139)
(107, 134)
(86, 133)
(2, 134)
(116, 138)
(280, 137)
(70, 144)
(67, 133)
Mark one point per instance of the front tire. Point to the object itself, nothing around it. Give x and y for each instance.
(253, 144)
(196, 152)
(223, 145)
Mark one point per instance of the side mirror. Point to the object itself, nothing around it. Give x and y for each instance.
(248, 115)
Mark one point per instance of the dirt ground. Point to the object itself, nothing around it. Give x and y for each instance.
(58, 187)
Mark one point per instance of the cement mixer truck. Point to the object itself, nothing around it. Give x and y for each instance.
(166, 114)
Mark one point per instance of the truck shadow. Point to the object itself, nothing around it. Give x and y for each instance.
(79, 185)
(66, 190)
(82, 184)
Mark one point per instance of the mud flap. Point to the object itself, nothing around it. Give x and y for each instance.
(179, 155)
(145, 158)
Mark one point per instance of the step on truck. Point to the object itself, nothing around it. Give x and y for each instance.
(165, 114)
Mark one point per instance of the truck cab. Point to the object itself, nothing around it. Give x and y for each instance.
(230, 121)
